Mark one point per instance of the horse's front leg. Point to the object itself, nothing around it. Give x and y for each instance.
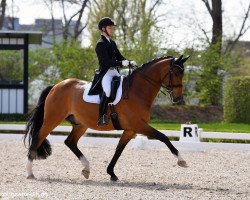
(125, 138)
(153, 133)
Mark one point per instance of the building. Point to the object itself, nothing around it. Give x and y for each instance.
(52, 30)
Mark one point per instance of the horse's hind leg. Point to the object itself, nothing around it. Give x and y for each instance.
(41, 147)
(72, 140)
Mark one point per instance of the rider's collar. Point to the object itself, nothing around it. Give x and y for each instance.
(106, 37)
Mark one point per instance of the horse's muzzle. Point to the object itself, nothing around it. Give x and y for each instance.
(179, 100)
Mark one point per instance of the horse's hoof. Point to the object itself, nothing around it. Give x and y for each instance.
(85, 173)
(114, 178)
(31, 176)
(182, 163)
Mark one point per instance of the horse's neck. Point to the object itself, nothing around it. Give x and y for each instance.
(148, 82)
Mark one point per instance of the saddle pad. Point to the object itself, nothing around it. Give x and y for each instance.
(96, 98)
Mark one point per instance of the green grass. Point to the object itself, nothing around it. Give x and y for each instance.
(163, 125)
(216, 127)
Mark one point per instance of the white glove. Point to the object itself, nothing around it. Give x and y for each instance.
(133, 63)
(125, 63)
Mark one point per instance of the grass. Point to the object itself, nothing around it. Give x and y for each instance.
(164, 125)
(215, 127)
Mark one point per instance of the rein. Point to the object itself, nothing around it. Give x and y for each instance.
(170, 85)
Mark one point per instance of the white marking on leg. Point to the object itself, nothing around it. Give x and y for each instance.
(85, 163)
(181, 162)
(179, 157)
(29, 167)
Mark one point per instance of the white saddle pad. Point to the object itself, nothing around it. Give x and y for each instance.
(96, 98)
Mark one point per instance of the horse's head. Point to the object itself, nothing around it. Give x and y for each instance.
(172, 81)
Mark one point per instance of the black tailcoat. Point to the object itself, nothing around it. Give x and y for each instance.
(108, 56)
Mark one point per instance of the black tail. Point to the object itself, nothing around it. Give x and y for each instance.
(33, 127)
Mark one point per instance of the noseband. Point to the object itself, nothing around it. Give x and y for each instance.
(170, 85)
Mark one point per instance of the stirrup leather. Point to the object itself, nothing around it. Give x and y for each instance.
(103, 120)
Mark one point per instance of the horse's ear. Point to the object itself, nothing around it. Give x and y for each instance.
(185, 59)
(178, 60)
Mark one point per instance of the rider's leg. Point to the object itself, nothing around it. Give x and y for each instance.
(106, 85)
(106, 80)
(103, 119)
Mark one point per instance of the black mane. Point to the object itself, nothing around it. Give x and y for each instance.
(152, 62)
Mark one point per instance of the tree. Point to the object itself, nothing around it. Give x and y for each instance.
(62, 61)
(215, 11)
(78, 28)
(214, 60)
(11, 68)
(80, 6)
(73, 61)
(69, 60)
(39, 61)
(137, 32)
(2, 12)
(243, 29)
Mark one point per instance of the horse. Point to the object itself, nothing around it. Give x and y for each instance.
(64, 101)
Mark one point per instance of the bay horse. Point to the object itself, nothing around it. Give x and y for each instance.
(64, 100)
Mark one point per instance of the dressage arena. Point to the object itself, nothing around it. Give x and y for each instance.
(144, 174)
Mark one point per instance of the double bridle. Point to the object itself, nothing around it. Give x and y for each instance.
(170, 85)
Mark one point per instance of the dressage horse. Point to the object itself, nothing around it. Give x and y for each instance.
(64, 100)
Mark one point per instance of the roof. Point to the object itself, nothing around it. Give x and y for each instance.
(35, 37)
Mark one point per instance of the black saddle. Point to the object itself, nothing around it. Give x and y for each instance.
(116, 81)
(114, 87)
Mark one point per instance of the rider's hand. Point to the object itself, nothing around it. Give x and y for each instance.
(133, 63)
(125, 63)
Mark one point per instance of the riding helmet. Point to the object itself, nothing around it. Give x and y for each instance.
(106, 21)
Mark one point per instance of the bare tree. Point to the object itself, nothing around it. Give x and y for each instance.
(2, 12)
(50, 6)
(78, 27)
(215, 11)
(68, 30)
(244, 28)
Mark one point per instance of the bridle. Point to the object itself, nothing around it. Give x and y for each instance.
(170, 87)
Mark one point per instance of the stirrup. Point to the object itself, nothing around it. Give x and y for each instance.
(103, 120)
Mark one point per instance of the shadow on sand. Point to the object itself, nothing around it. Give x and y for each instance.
(124, 184)
(139, 185)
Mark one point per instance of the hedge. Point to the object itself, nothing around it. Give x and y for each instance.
(237, 100)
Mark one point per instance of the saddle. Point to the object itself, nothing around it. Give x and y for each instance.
(115, 83)
(96, 87)
(114, 116)
(92, 95)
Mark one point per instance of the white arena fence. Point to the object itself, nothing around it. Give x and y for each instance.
(169, 133)
(140, 142)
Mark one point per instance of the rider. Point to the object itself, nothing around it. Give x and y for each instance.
(110, 59)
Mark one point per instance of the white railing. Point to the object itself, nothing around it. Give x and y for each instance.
(169, 133)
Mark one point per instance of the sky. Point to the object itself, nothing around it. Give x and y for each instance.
(181, 18)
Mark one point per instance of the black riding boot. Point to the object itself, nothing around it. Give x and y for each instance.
(103, 119)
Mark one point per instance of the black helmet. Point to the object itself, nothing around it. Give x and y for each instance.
(106, 21)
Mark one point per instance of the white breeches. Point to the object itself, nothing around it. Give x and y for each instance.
(106, 80)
